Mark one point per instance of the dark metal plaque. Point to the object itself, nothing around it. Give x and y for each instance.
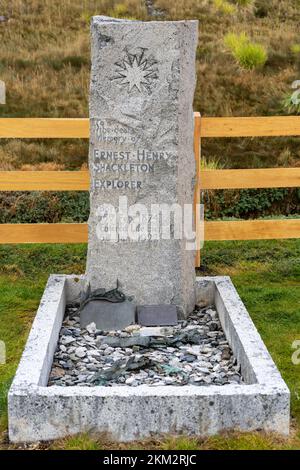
(157, 315)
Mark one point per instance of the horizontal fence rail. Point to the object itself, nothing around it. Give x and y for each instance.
(54, 128)
(247, 179)
(213, 230)
(209, 179)
(211, 127)
(250, 126)
(44, 128)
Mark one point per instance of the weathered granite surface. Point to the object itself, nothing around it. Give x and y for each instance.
(2, 92)
(141, 147)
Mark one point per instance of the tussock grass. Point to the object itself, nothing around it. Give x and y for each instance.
(222, 90)
(248, 55)
(78, 442)
(45, 63)
(295, 48)
(211, 163)
(179, 443)
(244, 3)
(225, 7)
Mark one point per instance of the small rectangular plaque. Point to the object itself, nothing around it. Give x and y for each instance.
(2, 92)
(108, 316)
(157, 315)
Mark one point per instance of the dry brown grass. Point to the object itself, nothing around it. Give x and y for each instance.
(45, 63)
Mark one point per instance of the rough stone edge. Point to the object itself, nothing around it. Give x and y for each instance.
(100, 19)
(241, 332)
(38, 354)
(37, 411)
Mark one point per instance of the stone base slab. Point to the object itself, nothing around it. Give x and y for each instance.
(38, 413)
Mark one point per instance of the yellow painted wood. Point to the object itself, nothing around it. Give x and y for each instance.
(254, 178)
(44, 180)
(252, 229)
(48, 128)
(206, 179)
(197, 190)
(210, 127)
(210, 179)
(250, 126)
(214, 230)
(43, 233)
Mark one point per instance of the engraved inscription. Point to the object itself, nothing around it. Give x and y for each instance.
(114, 133)
(126, 165)
(135, 162)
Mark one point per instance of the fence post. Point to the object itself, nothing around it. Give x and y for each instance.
(197, 190)
(2, 92)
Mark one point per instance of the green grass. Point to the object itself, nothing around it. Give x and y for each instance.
(23, 274)
(265, 273)
(79, 442)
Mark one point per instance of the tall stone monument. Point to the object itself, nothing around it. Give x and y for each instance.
(141, 159)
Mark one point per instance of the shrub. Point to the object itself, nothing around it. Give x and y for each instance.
(55, 207)
(225, 7)
(250, 203)
(41, 207)
(120, 10)
(295, 49)
(262, 8)
(211, 163)
(248, 55)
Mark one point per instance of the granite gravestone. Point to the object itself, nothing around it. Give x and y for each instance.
(141, 155)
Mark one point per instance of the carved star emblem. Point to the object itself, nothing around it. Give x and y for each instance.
(135, 71)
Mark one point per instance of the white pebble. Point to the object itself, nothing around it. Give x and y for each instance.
(91, 328)
(80, 352)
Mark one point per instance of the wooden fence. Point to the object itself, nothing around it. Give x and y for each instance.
(34, 128)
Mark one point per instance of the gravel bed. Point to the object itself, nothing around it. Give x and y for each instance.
(194, 352)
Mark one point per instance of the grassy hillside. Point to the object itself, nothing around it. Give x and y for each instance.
(224, 89)
(45, 63)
